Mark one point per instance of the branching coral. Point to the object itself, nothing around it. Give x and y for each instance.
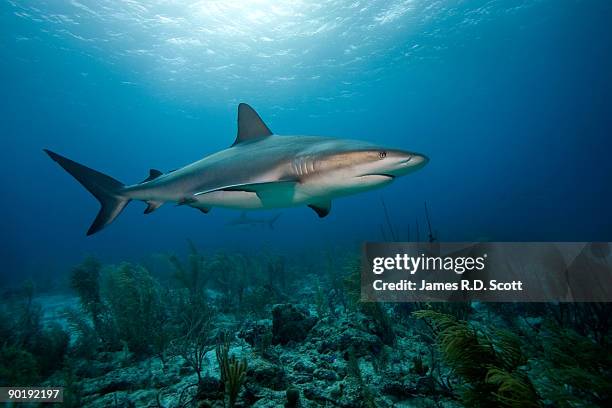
(85, 281)
(513, 389)
(577, 368)
(193, 278)
(17, 367)
(353, 369)
(487, 363)
(29, 349)
(233, 371)
(592, 320)
(195, 343)
(374, 310)
(87, 340)
(137, 306)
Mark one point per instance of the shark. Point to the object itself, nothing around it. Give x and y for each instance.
(260, 170)
(246, 220)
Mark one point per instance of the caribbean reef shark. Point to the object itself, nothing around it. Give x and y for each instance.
(260, 170)
(246, 221)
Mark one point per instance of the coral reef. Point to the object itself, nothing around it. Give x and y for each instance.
(219, 331)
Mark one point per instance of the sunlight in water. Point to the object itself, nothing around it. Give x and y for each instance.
(228, 47)
(249, 15)
(224, 45)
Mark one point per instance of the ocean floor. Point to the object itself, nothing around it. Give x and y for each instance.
(209, 333)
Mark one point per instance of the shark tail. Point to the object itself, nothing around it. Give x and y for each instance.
(105, 188)
(272, 220)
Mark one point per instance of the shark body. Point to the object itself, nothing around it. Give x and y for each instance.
(261, 170)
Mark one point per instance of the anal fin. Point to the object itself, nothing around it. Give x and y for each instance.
(152, 206)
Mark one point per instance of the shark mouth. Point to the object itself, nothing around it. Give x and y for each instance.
(390, 176)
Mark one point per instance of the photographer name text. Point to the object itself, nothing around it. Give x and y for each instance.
(475, 285)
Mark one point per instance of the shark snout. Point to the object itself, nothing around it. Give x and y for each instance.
(416, 159)
(407, 162)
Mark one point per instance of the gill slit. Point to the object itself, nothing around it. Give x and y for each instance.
(303, 166)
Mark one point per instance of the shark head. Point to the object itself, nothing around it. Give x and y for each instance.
(351, 166)
(389, 163)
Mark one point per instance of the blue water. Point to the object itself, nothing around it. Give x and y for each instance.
(511, 100)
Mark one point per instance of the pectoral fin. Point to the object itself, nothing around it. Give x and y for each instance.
(322, 208)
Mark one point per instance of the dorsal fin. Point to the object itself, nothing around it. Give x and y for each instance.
(250, 125)
(153, 174)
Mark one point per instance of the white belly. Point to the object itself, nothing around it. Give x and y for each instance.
(249, 200)
(229, 199)
(289, 194)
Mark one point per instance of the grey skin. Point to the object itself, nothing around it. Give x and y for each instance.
(245, 220)
(260, 170)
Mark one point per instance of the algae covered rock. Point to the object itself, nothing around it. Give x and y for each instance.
(343, 335)
(256, 333)
(266, 374)
(399, 390)
(293, 397)
(290, 323)
(210, 389)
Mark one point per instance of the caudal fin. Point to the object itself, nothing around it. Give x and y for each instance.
(105, 188)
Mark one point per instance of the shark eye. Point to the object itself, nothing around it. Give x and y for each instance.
(382, 154)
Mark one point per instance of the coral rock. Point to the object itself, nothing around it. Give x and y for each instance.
(290, 323)
(267, 375)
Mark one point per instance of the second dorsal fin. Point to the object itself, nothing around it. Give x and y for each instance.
(153, 174)
(250, 125)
